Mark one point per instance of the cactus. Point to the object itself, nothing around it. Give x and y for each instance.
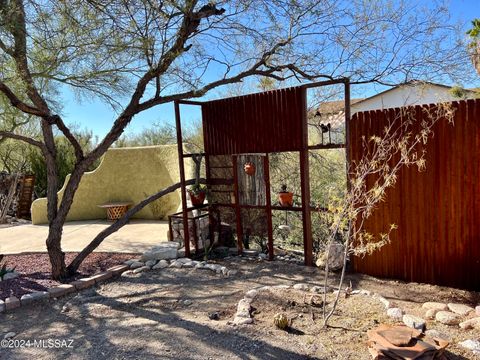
(280, 321)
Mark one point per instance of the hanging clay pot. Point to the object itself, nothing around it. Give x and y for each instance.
(249, 168)
(285, 197)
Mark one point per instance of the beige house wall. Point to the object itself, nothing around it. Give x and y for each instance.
(125, 174)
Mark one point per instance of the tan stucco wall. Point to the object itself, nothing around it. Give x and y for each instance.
(125, 174)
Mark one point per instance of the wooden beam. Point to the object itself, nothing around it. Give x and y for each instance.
(327, 146)
(238, 211)
(305, 187)
(266, 170)
(186, 232)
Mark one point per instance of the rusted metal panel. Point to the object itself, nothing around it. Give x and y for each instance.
(437, 211)
(256, 123)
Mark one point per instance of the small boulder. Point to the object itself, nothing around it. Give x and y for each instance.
(251, 294)
(161, 265)
(430, 314)
(164, 251)
(477, 310)
(10, 276)
(141, 269)
(437, 334)
(395, 313)
(150, 263)
(184, 260)
(471, 324)
(460, 309)
(435, 306)
(301, 286)
(136, 265)
(176, 264)
(414, 322)
(9, 335)
(473, 345)
(447, 318)
(335, 257)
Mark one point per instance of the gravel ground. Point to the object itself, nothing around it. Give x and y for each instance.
(164, 315)
(35, 271)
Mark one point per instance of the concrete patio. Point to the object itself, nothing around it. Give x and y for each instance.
(135, 237)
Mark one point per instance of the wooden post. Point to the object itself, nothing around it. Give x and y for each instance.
(266, 169)
(238, 211)
(305, 187)
(186, 233)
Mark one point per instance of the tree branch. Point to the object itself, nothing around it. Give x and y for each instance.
(72, 268)
(10, 135)
(19, 104)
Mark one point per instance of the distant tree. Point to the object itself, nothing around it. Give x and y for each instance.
(474, 45)
(138, 54)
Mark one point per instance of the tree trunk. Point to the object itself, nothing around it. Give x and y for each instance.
(55, 253)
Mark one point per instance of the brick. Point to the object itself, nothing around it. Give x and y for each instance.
(83, 283)
(33, 297)
(11, 303)
(61, 290)
(118, 269)
(102, 276)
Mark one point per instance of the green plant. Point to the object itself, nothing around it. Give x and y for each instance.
(3, 269)
(197, 189)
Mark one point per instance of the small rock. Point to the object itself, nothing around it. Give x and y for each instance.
(317, 289)
(384, 301)
(251, 294)
(281, 287)
(430, 313)
(301, 286)
(136, 264)
(127, 273)
(232, 272)
(473, 345)
(250, 252)
(471, 324)
(460, 309)
(477, 310)
(187, 302)
(447, 318)
(188, 265)
(242, 321)
(130, 262)
(437, 334)
(2, 306)
(224, 271)
(176, 264)
(10, 276)
(141, 269)
(335, 257)
(167, 250)
(214, 315)
(184, 260)
(150, 263)
(414, 322)
(262, 256)
(395, 313)
(161, 265)
(435, 306)
(65, 308)
(9, 335)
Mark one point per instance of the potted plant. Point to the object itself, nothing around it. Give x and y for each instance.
(197, 194)
(249, 168)
(285, 197)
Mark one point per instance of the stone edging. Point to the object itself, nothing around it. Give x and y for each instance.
(13, 302)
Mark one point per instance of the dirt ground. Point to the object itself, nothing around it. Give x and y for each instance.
(163, 314)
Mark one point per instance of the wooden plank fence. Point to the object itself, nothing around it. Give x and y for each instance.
(437, 211)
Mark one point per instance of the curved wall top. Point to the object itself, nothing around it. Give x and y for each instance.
(124, 174)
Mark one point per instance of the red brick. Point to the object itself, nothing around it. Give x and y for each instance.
(83, 283)
(61, 290)
(118, 269)
(102, 276)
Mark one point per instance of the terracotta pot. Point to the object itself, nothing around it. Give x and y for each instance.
(249, 168)
(198, 198)
(285, 198)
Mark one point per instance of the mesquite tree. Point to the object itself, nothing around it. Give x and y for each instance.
(138, 54)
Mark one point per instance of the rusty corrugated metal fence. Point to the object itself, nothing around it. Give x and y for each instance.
(256, 123)
(437, 211)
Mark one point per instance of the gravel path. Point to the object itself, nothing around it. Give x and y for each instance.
(164, 315)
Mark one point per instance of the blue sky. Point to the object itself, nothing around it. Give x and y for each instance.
(98, 117)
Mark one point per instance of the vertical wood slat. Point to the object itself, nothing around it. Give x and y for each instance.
(186, 232)
(438, 239)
